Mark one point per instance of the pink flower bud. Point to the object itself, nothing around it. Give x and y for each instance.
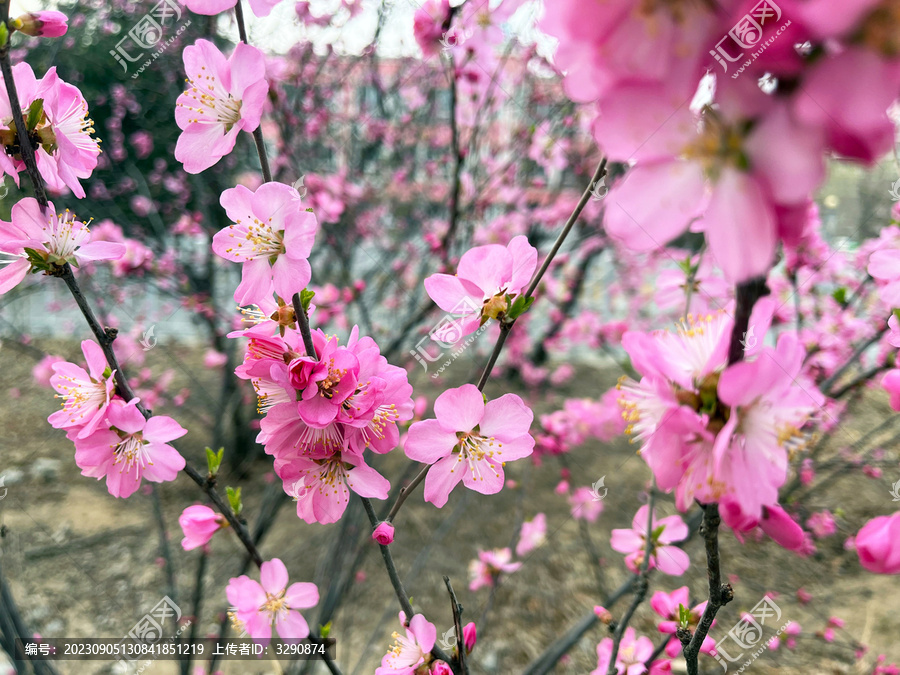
(440, 668)
(469, 635)
(602, 614)
(878, 545)
(42, 24)
(384, 533)
(199, 524)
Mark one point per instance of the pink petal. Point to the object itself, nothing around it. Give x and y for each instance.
(273, 576)
(460, 409)
(290, 276)
(424, 631)
(644, 224)
(441, 479)
(506, 418)
(453, 294)
(429, 441)
(488, 267)
(12, 275)
(162, 429)
(524, 262)
(672, 560)
(740, 226)
(367, 482)
(292, 625)
(302, 595)
(487, 478)
(100, 250)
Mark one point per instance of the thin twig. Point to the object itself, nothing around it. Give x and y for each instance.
(405, 492)
(457, 623)
(303, 324)
(506, 326)
(395, 577)
(720, 594)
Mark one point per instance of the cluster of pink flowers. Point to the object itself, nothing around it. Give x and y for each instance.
(57, 116)
(579, 420)
(742, 163)
(323, 411)
(112, 438)
(713, 432)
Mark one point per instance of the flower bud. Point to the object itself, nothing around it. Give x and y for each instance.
(469, 635)
(199, 523)
(603, 614)
(42, 24)
(440, 668)
(384, 533)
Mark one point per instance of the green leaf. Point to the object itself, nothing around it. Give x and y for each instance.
(520, 306)
(234, 498)
(4, 34)
(840, 295)
(35, 114)
(306, 297)
(214, 460)
(325, 630)
(107, 371)
(684, 616)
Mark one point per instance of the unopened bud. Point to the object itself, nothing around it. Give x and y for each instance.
(42, 24)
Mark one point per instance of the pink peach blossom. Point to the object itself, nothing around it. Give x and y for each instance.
(272, 236)
(258, 606)
(34, 238)
(487, 278)
(86, 394)
(132, 448)
(469, 441)
(410, 650)
(224, 97)
(663, 533)
(878, 545)
(633, 653)
(489, 566)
